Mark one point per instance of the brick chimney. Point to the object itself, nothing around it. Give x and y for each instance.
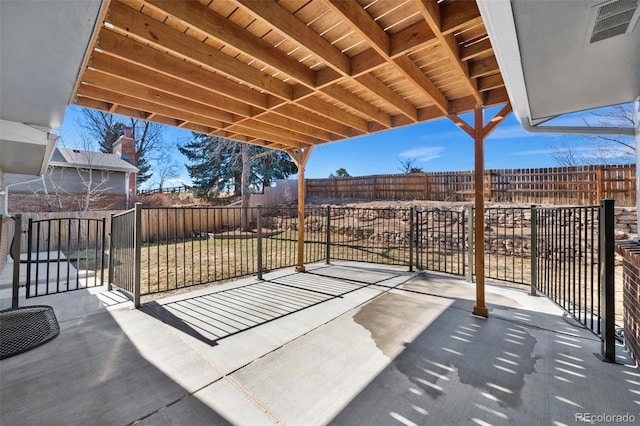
(125, 147)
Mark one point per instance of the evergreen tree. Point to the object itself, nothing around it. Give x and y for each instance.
(216, 164)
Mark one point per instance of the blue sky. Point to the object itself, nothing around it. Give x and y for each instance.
(435, 146)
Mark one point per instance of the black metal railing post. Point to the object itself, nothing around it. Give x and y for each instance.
(328, 239)
(412, 236)
(534, 251)
(470, 243)
(137, 243)
(110, 259)
(607, 279)
(17, 235)
(259, 248)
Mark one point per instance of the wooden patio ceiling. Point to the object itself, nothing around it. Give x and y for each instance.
(293, 73)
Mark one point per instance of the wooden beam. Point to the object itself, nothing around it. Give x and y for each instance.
(300, 158)
(199, 17)
(476, 49)
(277, 17)
(106, 95)
(484, 67)
(163, 38)
(378, 39)
(480, 307)
(432, 15)
(302, 115)
(383, 92)
(490, 82)
(462, 124)
(352, 101)
(458, 15)
(161, 82)
(147, 94)
(497, 119)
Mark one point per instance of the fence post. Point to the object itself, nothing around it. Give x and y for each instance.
(110, 274)
(607, 280)
(259, 254)
(412, 236)
(103, 247)
(137, 244)
(328, 240)
(17, 235)
(470, 243)
(534, 251)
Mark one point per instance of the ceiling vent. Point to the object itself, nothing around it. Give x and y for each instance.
(613, 18)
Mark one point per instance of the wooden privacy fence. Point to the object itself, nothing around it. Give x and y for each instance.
(584, 185)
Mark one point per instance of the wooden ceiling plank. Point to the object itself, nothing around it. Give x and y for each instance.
(386, 94)
(491, 82)
(139, 75)
(165, 38)
(352, 101)
(476, 49)
(334, 113)
(484, 67)
(309, 118)
(218, 27)
(416, 36)
(135, 103)
(144, 93)
(458, 15)
(412, 72)
(358, 18)
(289, 26)
(275, 132)
(432, 15)
(369, 29)
(287, 123)
(259, 134)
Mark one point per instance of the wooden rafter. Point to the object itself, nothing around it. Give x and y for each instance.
(431, 13)
(289, 75)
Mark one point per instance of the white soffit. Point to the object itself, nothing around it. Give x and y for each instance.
(552, 67)
(42, 48)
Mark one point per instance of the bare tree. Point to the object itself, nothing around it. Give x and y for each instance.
(599, 149)
(106, 128)
(166, 167)
(86, 171)
(408, 166)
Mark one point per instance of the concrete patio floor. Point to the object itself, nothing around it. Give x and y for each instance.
(345, 343)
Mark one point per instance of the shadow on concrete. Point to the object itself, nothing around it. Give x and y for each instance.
(91, 374)
(225, 313)
(517, 367)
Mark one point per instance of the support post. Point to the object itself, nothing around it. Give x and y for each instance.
(17, 235)
(412, 236)
(470, 224)
(137, 244)
(110, 274)
(480, 307)
(328, 239)
(300, 157)
(259, 254)
(534, 251)
(607, 280)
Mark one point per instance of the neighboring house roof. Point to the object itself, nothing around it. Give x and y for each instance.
(63, 157)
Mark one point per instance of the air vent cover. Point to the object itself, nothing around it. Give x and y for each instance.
(614, 18)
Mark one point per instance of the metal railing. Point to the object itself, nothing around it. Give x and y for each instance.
(441, 240)
(63, 254)
(123, 252)
(567, 261)
(507, 240)
(558, 251)
(375, 235)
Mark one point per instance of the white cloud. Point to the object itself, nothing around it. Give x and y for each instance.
(423, 154)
